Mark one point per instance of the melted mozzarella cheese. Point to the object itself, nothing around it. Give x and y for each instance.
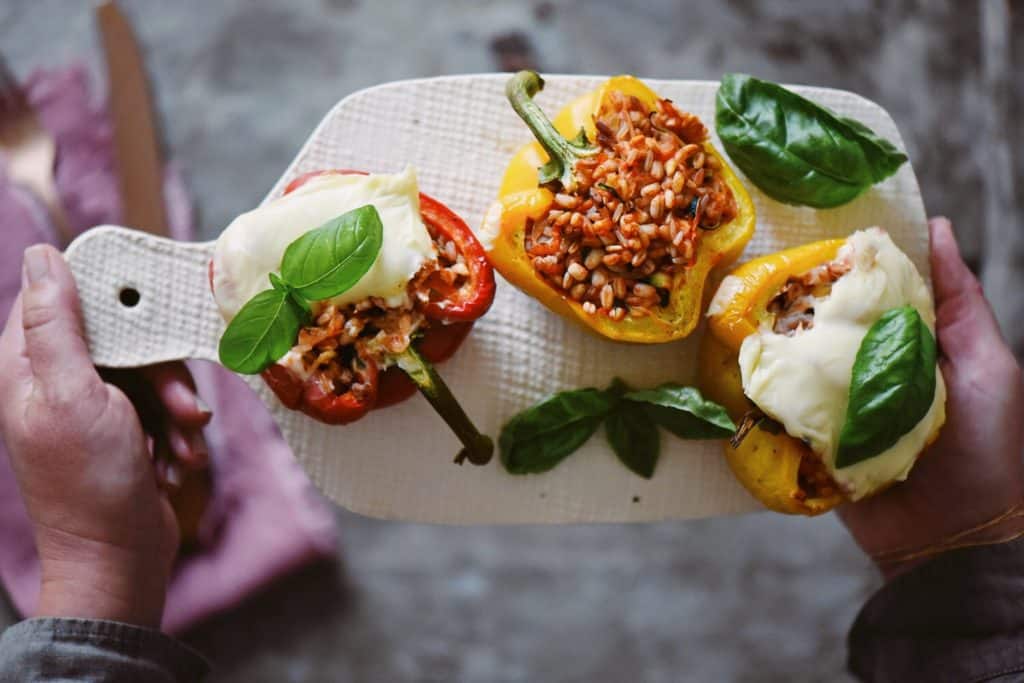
(252, 246)
(803, 380)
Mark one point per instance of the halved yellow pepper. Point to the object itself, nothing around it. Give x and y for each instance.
(522, 198)
(766, 463)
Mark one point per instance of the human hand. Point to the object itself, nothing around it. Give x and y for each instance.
(973, 472)
(104, 529)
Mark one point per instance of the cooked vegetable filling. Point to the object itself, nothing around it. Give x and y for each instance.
(814, 480)
(793, 307)
(330, 351)
(634, 220)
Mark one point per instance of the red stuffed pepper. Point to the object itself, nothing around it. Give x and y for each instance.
(354, 356)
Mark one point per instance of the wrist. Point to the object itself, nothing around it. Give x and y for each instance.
(1003, 528)
(90, 579)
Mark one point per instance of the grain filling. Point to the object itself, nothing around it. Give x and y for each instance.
(635, 218)
(332, 348)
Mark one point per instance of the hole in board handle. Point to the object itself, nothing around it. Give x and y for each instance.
(129, 297)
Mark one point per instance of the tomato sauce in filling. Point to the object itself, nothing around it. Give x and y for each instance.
(636, 217)
(330, 350)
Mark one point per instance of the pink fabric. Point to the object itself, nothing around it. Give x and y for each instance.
(264, 519)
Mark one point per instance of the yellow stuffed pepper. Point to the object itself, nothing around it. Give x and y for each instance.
(618, 227)
(785, 333)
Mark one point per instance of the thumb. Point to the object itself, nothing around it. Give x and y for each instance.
(54, 340)
(965, 324)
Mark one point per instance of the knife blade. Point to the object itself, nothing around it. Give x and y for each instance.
(136, 139)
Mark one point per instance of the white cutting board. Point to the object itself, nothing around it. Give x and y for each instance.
(396, 463)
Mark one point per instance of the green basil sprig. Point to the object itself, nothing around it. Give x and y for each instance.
(797, 151)
(322, 263)
(332, 258)
(684, 412)
(543, 435)
(262, 331)
(634, 437)
(892, 386)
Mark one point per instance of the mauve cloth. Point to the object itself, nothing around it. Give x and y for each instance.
(265, 519)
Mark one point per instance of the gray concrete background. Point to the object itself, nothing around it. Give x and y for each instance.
(760, 598)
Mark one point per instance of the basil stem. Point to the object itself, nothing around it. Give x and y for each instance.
(478, 447)
(563, 154)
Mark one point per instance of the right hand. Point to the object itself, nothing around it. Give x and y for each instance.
(973, 472)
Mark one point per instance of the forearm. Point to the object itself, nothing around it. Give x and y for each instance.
(103, 651)
(958, 616)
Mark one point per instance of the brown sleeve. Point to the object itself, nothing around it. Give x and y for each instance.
(958, 617)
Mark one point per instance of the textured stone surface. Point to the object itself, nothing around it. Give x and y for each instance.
(762, 598)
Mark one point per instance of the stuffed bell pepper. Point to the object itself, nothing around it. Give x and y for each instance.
(345, 290)
(825, 356)
(617, 213)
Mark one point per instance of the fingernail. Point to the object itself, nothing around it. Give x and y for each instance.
(941, 223)
(173, 474)
(202, 406)
(36, 264)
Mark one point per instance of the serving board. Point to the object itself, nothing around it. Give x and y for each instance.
(396, 463)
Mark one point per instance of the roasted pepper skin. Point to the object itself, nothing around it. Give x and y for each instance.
(319, 403)
(520, 199)
(454, 314)
(766, 464)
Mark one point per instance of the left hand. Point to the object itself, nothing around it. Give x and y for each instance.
(104, 529)
(972, 473)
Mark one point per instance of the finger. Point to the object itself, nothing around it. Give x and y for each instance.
(181, 442)
(140, 392)
(51, 321)
(965, 324)
(189, 447)
(16, 377)
(176, 390)
(168, 472)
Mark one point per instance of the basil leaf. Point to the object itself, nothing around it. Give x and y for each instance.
(277, 283)
(329, 260)
(892, 386)
(684, 412)
(263, 330)
(280, 285)
(634, 438)
(795, 150)
(543, 435)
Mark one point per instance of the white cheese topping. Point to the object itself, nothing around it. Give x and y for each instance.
(252, 246)
(803, 380)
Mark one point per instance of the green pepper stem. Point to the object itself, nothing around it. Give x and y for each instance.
(478, 448)
(563, 154)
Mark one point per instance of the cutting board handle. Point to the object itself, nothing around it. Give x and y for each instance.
(145, 299)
